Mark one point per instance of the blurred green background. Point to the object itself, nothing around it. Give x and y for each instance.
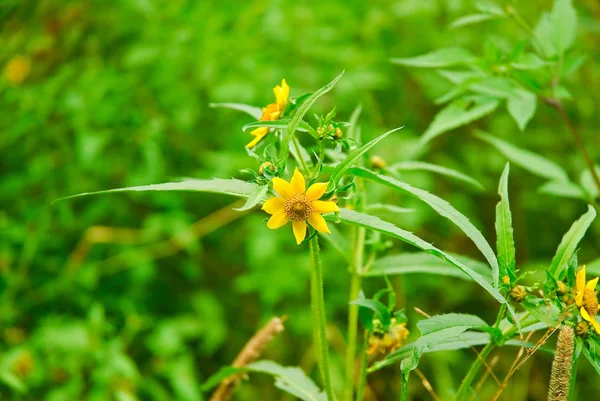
(143, 296)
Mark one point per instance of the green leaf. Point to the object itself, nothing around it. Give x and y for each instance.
(355, 155)
(569, 242)
(218, 377)
(426, 343)
(434, 168)
(292, 380)
(339, 243)
(441, 58)
(593, 267)
(424, 263)
(379, 309)
(555, 31)
(254, 199)
(472, 19)
(440, 206)
(296, 120)
(304, 126)
(375, 223)
(458, 113)
(449, 320)
(505, 242)
(592, 359)
(563, 189)
(528, 61)
(231, 187)
(13, 382)
(529, 161)
(588, 184)
(388, 208)
(522, 107)
(255, 112)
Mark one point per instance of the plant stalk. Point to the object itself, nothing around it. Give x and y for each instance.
(463, 390)
(362, 381)
(318, 307)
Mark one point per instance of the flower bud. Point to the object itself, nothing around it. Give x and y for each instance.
(562, 288)
(377, 162)
(505, 280)
(582, 328)
(518, 293)
(266, 166)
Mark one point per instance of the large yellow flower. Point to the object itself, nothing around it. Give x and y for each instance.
(299, 205)
(272, 112)
(586, 298)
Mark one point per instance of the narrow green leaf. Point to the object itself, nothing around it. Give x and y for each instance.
(472, 19)
(529, 61)
(527, 160)
(388, 208)
(231, 187)
(299, 115)
(375, 223)
(304, 126)
(563, 189)
(449, 320)
(424, 263)
(379, 309)
(458, 113)
(255, 112)
(434, 168)
(13, 382)
(218, 377)
(356, 154)
(443, 208)
(592, 359)
(292, 380)
(441, 58)
(254, 199)
(569, 242)
(505, 242)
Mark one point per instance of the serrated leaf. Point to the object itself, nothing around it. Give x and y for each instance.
(458, 113)
(257, 197)
(569, 242)
(563, 189)
(505, 242)
(299, 115)
(375, 223)
(355, 155)
(441, 58)
(527, 160)
(255, 112)
(424, 263)
(434, 168)
(231, 187)
(449, 320)
(292, 380)
(281, 124)
(443, 208)
(522, 107)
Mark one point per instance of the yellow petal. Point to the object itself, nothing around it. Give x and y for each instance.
(299, 228)
(298, 182)
(580, 279)
(579, 298)
(274, 205)
(591, 285)
(325, 207)
(318, 222)
(596, 325)
(316, 190)
(283, 188)
(281, 94)
(277, 220)
(585, 314)
(259, 134)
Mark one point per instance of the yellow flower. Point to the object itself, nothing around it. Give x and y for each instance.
(299, 205)
(586, 298)
(272, 112)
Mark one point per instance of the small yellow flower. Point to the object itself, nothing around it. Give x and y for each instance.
(586, 298)
(387, 342)
(272, 112)
(299, 205)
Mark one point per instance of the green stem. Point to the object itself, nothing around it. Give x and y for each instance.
(465, 386)
(363, 369)
(318, 307)
(300, 160)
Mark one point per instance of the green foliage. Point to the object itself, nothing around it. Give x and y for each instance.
(505, 242)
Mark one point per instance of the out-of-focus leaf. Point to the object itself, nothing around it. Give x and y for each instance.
(505, 242)
(458, 113)
(216, 185)
(521, 107)
(434, 168)
(555, 31)
(255, 112)
(472, 19)
(339, 242)
(13, 382)
(304, 126)
(529, 161)
(388, 208)
(218, 377)
(290, 379)
(441, 58)
(588, 183)
(424, 263)
(528, 61)
(443, 208)
(563, 189)
(569, 242)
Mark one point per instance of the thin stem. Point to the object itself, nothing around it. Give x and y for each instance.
(319, 306)
(303, 165)
(556, 104)
(463, 390)
(363, 369)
